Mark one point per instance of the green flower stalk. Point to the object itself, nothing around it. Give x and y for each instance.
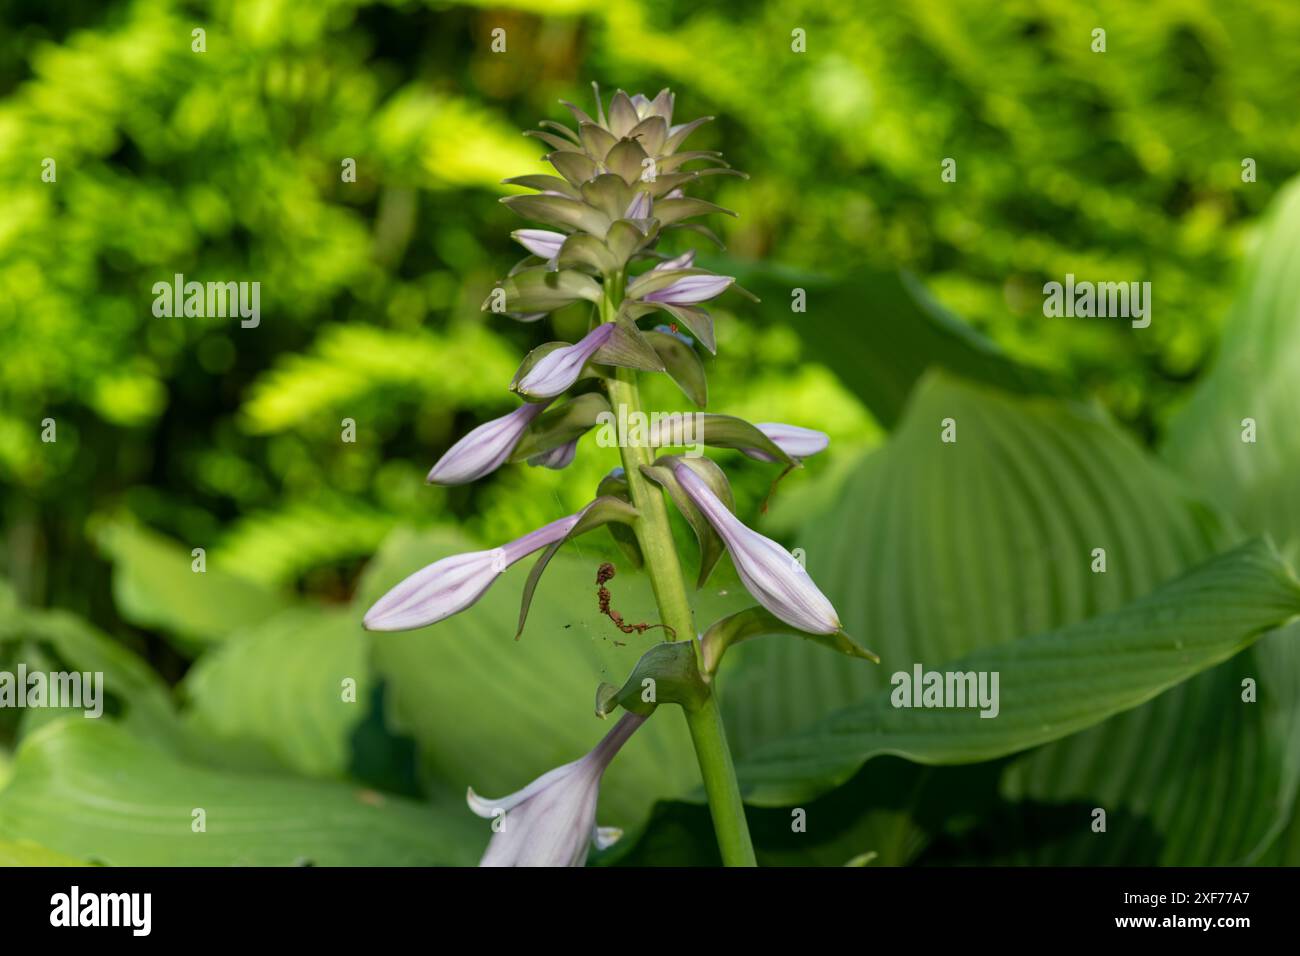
(619, 190)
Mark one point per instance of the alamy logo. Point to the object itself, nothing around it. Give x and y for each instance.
(103, 909)
(946, 689)
(217, 300)
(74, 690)
(636, 429)
(1107, 300)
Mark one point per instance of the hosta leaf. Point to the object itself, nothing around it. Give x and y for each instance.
(1257, 377)
(1051, 685)
(939, 549)
(57, 640)
(277, 691)
(880, 352)
(155, 585)
(89, 790)
(26, 853)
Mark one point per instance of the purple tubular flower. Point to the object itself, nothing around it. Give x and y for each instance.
(485, 449)
(557, 458)
(685, 261)
(559, 369)
(455, 583)
(639, 207)
(798, 443)
(540, 242)
(690, 289)
(769, 572)
(551, 821)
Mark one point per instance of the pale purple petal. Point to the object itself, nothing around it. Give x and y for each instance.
(552, 821)
(451, 585)
(690, 289)
(769, 572)
(540, 242)
(639, 207)
(685, 261)
(485, 449)
(798, 443)
(557, 458)
(559, 369)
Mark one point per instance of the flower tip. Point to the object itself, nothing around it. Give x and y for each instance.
(479, 806)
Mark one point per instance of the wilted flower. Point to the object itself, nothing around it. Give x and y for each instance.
(485, 449)
(552, 820)
(798, 443)
(769, 572)
(455, 583)
(559, 369)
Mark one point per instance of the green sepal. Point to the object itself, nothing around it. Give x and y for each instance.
(757, 621)
(601, 511)
(560, 425)
(541, 290)
(672, 667)
(683, 366)
(717, 431)
(624, 536)
(711, 545)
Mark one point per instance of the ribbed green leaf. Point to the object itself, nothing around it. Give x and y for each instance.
(1256, 376)
(155, 585)
(1051, 685)
(880, 330)
(940, 549)
(278, 689)
(89, 790)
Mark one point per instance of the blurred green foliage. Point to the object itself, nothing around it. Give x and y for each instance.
(225, 165)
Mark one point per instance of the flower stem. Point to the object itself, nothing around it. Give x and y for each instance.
(655, 537)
